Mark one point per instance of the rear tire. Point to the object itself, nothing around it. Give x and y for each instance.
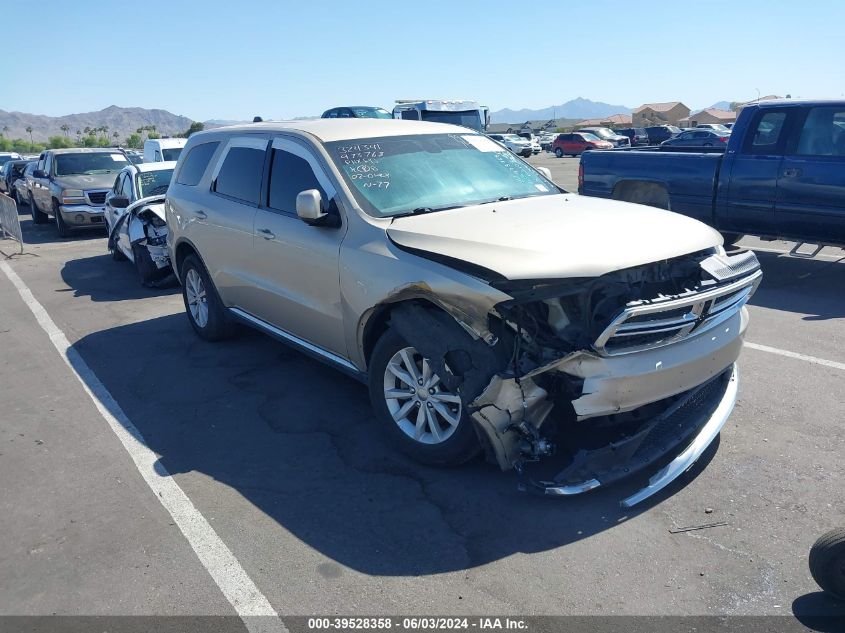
(558, 152)
(206, 312)
(38, 216)
(731, 238)
(460, 443)
(827, 562)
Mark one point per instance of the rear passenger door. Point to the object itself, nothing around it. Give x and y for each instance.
(295, 265)
(750, 203)
(811, 184)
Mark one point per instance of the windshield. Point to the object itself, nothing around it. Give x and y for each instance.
(512, 137)
(590, 137)
(171, 153)
(372, 113)
(153, 183)
(466, 118)
(415, 174)
(89, 163)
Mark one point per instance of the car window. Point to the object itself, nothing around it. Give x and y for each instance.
(126, 187)
(240, 174)
(823, 132)
(195, 164)
(768, 128)
(289, 176)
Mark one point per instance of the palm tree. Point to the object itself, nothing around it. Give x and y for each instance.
(29, 129)
(87, 131)
(78, 134)
(65, 127)
(5, 129)
(105, 130)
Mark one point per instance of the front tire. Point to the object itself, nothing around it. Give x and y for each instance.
(423, 419)
(206, 312)
(61, 227)
(827, 562)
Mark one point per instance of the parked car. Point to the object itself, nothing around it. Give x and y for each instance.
(13, 172)
(7, 156)
(575, 143)
(659, 133)
(698, 137)
(136, 157)
(469, 292)
(716, 127)
(514, 143)
(22, 183)
(132, 183)
(530, 137)
(781, 176)
(546, 141)
(158, 150)
(357, 112)
(637, 135)
(729, 126)
(71, 186)
(606, 134)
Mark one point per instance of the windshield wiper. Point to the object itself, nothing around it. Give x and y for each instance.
(422, 210)
(499, 199)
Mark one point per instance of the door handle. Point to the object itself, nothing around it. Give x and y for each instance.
(201, 215)
(791, 173)
(267, 234)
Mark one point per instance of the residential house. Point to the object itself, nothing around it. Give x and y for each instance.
(669, 113)
(612, 121)
(709, 115)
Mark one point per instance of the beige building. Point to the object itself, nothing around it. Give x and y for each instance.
(614, 120)
(710, 115)
(670, 113)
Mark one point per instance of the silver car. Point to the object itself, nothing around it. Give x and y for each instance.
(485, 308)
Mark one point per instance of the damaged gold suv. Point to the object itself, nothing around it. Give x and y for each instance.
(486, 308)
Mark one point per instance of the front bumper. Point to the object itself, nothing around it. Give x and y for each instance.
(686, 429)
(79, 215)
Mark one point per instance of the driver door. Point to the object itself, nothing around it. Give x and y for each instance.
(295, 265)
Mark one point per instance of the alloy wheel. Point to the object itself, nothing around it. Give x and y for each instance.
(197, 299)
(423, 408)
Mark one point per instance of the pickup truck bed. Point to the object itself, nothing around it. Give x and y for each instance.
(782, 175)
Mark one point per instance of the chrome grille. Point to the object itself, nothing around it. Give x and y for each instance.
(96, 197)
(646, 325)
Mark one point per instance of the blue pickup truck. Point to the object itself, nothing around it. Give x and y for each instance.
(782, 175)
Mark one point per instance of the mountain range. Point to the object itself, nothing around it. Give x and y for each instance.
(124, 121)
(578, 108)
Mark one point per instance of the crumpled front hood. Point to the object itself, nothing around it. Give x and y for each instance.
(550, 237)
(94, 181)
(153, 203)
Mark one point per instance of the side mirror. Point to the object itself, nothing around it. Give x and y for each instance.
(39, 173)
(309, 206)
(119, 202)
(546, 172)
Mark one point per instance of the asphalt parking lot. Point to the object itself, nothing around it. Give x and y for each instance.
(282, 458)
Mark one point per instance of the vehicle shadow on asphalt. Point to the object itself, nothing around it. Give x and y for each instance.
(812, 287)
(103, 279)
(298, 441)
(820, 612)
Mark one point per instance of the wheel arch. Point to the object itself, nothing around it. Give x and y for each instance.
(653, 193)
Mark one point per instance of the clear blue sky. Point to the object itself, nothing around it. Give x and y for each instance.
(287, 58)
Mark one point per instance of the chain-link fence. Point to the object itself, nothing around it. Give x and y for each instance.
(10, 225)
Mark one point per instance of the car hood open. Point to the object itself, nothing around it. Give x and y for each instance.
(557, 236)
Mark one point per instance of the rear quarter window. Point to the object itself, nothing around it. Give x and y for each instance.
(195, 163)
(240, 174)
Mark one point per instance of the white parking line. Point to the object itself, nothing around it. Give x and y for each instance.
(778, 251)
(788, 354)
(234, 582)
